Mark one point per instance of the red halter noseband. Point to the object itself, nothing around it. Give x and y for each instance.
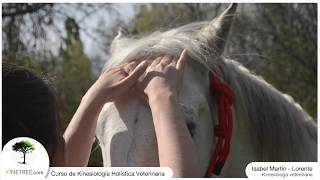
(222, 131)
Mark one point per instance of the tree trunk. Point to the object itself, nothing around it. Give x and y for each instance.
(24, 158)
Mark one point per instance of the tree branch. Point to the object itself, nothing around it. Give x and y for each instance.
(21, 9)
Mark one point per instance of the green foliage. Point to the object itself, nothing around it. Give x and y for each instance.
(95, 156)
(292, 64)
(73, 75)
(23, 146)
(152, 17)
(73, 79)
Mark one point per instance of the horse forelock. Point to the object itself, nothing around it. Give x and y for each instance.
(170, 42)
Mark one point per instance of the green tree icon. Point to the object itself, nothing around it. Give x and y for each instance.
(24, 147)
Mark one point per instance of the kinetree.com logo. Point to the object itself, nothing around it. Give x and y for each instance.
(24, 157)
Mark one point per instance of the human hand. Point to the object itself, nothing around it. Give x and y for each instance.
(164, 76)
(118, 80)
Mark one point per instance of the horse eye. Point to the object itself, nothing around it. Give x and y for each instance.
(203, 73)
(189, 115)
(191, 127)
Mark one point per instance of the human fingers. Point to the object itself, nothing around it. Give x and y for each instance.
(173, 62)
(129, 67)
(182, 60)
(122, 65)
(135, 74)
(166, 60)
(155, 62)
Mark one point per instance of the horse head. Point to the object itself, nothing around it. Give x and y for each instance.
(261, 113)
(125, 129)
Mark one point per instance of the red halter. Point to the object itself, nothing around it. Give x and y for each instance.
(223, 131)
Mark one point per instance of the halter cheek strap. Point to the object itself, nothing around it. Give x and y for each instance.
(222, 131)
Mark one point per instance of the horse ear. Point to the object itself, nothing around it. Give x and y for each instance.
(122, 33)
(215, 33)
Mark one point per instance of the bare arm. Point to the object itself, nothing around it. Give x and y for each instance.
(175, 145)
(79, 135)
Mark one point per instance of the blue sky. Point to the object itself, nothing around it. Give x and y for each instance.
(126, 13)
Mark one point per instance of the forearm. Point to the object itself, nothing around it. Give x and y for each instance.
(175, 145)
(79, 135)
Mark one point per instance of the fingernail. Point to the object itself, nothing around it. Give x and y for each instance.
(143, 63)
(185, 50)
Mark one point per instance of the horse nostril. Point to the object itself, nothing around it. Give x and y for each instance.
(191, 127)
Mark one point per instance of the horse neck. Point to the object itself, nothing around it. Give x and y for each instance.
(272, 123)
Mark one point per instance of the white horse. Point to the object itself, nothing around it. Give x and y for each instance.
(268, 125)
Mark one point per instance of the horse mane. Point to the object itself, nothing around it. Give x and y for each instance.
(274, 120)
